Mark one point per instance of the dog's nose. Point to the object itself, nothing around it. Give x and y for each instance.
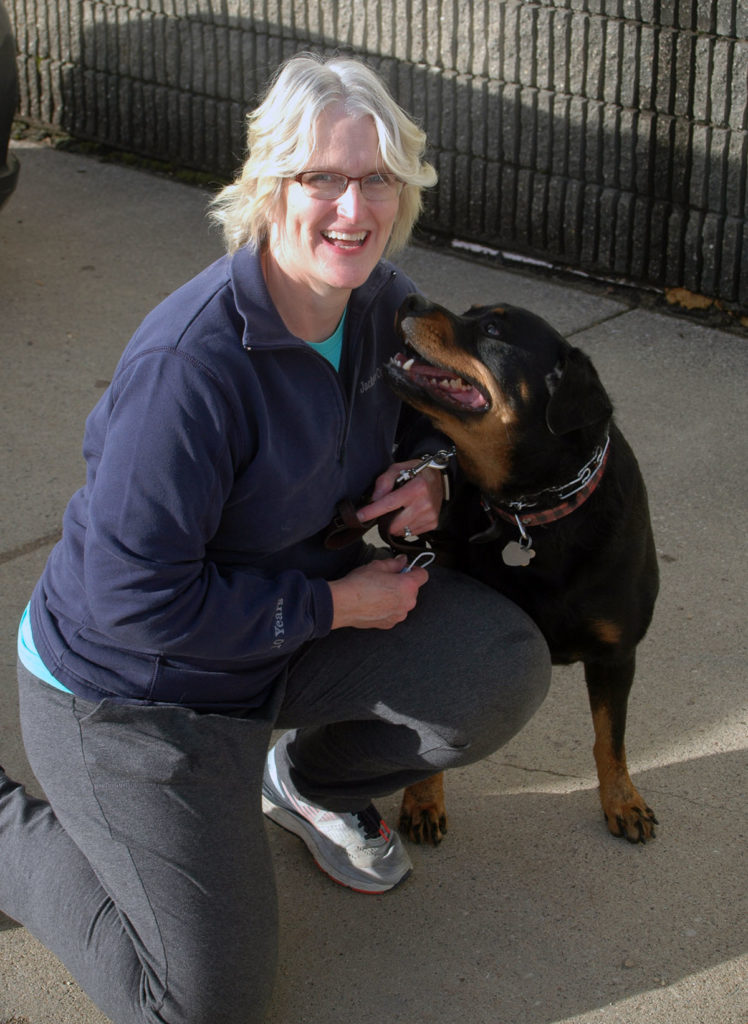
(415, 303)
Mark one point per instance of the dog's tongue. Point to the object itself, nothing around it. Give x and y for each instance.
(464, 393)
(444, 382)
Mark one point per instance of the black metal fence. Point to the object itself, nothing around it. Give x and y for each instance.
(608, 136)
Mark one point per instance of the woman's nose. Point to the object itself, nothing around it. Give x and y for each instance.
(351, 201)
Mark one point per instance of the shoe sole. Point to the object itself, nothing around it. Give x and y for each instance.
(307, 833)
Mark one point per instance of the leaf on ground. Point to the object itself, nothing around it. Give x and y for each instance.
(689, 300)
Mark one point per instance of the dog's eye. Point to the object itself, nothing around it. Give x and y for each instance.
(492, 329)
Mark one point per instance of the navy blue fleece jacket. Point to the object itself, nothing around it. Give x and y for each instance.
(191, 565)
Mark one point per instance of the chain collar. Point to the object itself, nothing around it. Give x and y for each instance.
(553, 503)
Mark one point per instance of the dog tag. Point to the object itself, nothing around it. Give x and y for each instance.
(517, 553)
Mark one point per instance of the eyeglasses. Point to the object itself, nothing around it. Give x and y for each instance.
(376, 187)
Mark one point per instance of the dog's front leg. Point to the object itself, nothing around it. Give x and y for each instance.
(608, 685)
(423, 815)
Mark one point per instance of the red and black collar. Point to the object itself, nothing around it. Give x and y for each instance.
(547, 506)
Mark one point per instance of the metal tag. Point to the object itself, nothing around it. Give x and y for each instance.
(517, 553)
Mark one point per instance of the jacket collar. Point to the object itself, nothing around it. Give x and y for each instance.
(263, 325)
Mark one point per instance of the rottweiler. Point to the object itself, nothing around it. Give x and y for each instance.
(552, 512)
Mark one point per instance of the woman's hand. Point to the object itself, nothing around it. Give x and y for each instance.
(377, 595)
(420, 500)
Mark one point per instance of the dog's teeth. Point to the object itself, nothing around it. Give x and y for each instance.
(407, 364)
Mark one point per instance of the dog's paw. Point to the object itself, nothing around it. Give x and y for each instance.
(423, 825)
(423, 817)
(626, 812)
(632, 820)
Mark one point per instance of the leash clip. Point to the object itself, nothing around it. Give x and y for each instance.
(439, 460)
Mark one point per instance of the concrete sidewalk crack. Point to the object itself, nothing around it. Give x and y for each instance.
(598, 323)
(32, 545)
(536, 771)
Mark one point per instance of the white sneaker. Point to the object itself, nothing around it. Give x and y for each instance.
(358, 850)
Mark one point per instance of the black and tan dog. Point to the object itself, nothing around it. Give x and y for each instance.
(554, 513)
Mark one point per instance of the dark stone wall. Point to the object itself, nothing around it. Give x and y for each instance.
(607, 136)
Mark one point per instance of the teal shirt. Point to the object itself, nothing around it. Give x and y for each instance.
(29, 656)
(332, 348)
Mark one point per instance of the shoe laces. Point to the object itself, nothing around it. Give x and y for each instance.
(371, 823)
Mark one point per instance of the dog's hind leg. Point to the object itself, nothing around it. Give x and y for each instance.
(423, 815)
(608, 685)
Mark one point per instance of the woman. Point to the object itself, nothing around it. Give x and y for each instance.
(192, 605)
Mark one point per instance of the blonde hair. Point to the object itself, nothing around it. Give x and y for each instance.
(281, 138)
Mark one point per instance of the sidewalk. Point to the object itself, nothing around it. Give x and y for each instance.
(529, 912)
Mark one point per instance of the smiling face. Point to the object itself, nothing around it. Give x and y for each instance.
(330, 246)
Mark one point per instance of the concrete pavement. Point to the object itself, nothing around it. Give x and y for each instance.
(529, 912)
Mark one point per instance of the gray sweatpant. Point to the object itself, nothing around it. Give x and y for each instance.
(148, 871)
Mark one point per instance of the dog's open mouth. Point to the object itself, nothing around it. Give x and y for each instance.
(447, 387)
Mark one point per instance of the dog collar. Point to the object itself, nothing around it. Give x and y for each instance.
(525, 511)
(569, 496)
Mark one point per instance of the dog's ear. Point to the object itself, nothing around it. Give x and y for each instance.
(578, 398)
